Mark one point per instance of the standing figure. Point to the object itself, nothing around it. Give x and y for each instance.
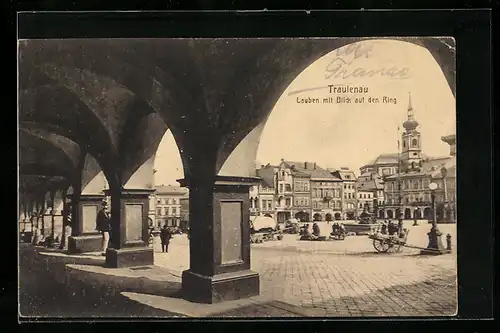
(67, 229)
(165, 236)
(103, 225)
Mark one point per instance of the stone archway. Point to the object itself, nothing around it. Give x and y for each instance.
(390, 214)
(317, 217)
(417, 214)
(407, 215)
(381, 214)
(338, 216)
(302, 216)
(428, 213)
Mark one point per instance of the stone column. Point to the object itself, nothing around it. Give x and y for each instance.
(43, 215)
(84, 237)
(129, 243)
(219, 241)
(58, 214)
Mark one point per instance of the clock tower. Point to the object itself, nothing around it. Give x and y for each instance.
(411, 153)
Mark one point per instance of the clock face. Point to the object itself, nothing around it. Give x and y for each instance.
(433, 186)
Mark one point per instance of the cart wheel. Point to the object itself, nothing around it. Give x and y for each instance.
(342, 237)
(393, 248)
(380, 245)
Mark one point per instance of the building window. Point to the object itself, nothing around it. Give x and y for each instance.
(288, 187)
(288, 202)
(158, 211)
(269, 205)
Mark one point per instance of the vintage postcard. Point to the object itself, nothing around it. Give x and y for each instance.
(249, 177)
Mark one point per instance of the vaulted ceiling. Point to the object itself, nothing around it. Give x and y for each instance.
(115, 98)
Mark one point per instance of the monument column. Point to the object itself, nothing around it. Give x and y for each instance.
(219, 240)
(129, 236)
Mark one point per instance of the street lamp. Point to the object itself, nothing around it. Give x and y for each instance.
(435, 243)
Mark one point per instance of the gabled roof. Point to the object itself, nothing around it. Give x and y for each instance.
(313, 170)
(345, 174)
(387, 158)
(430, 167)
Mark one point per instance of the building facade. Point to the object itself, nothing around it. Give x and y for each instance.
(349, 193)
(407, 193)
(168, 205)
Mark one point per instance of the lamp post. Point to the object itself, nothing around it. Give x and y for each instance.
(435, 243)
(444, 172)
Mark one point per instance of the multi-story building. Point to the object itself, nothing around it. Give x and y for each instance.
(168, 205)
(284, 192)
(184, 213)
(262, 196)
(383, 165)
(370, 188)
(317, 193)
(407, 193)
(349, 190)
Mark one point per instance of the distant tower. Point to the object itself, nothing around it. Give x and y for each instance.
(411, 153)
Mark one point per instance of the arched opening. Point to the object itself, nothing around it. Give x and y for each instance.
(317, 217)
(170, 203)
(390, 214)
(328, 217)
(283, 216)
(302, 216)
(407, 213)
(414, 143)
(338, 216)
(417, 214)
(398, 214)
(381, 214)
(350, 216)
(428, 213)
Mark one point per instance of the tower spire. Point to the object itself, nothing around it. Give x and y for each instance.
(410, 107)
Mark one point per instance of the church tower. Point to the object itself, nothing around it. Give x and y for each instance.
(411, 152)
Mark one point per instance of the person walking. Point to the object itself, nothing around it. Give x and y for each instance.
(103, 225)
(165, 236)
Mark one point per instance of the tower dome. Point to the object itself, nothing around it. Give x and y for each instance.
(410, 123)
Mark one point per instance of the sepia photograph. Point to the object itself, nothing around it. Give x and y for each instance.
(237, 178)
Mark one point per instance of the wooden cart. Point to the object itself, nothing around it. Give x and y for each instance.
(389, 243)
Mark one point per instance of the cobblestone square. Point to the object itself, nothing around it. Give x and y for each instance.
(346, 278)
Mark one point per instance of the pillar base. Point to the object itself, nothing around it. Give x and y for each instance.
(435, 252)
(435, 246)
(219, 288)
(85, 243)
(129, 257)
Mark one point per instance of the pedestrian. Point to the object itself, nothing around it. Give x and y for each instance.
(103, 225)
(165, 236)
(66, 230)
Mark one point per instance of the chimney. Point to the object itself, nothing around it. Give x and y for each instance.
(262, 165)
(314, 166)
(305, 165)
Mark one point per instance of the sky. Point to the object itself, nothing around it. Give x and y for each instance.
(349, 134)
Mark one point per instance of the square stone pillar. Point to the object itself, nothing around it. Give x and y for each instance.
(129, 243)
(84, 237)
(219, 241)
